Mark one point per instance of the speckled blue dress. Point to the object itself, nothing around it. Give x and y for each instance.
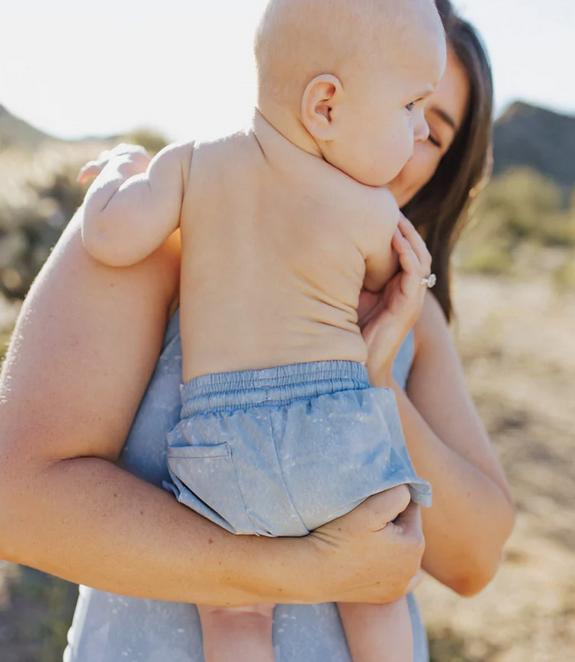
(112, 628)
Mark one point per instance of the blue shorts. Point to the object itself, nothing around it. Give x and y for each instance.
(279, 452)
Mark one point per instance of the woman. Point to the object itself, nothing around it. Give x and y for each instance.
(74, 380)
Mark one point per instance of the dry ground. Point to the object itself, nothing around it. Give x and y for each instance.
(517, 341)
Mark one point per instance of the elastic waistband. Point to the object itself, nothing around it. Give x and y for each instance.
(272, 386)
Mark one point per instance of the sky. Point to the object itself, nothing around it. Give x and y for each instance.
(185, 67)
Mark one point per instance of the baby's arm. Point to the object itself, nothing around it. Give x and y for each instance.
(128, 218)
(381, 261)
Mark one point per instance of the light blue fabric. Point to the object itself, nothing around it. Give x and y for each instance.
(112, 628)
(282, 451)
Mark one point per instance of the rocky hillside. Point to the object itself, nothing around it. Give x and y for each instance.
(39, 193)
(15, 133)
(539, 139)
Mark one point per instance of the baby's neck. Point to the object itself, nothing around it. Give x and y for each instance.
(288, 147)
(287, 124)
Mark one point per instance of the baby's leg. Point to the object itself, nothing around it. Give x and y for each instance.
(378, 633)
(240, 634)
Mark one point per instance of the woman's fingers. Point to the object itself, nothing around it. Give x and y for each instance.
(414, 257)
(410, 517)
(385, 324)
(377, 511)
(380, 541)
(385, 507)
(413, 271)
(416, 242)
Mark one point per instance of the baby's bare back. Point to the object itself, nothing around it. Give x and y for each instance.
(273, 258)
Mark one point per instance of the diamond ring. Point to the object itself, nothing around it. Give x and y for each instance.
(430, 281)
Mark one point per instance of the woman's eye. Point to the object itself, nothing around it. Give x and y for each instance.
(435, 142)
(410, 106)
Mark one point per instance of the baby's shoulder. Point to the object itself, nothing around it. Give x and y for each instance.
(381, 206)
(375, 208)
(231, 160)
(235, 147)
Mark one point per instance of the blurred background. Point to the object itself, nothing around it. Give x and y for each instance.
(78, 77)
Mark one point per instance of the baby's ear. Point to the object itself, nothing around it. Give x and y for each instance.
(320, 99)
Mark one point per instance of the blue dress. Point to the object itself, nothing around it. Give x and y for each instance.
(113, 628)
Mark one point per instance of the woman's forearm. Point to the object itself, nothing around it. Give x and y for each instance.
(471, 516)
(90, 522)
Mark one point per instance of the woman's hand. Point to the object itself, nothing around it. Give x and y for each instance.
(372, 554)
(135, 161)
(385, 319)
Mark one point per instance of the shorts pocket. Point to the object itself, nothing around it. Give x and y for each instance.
(204, 478)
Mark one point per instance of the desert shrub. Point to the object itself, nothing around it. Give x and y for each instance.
(40, 614)
(522, 200)
(38, 196)
(4, 340)
(518, 208)
(148, 138)
(564, 276)
(490, 261)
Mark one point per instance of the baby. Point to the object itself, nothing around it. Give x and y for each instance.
(281, 227)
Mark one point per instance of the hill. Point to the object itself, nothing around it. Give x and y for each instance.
(525, 135)
(540, 139)
(16, 133)
(39, 193)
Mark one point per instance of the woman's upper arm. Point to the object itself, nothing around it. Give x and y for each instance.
(437, 389)
(82, 353)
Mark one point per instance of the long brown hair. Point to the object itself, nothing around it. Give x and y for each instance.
(441, 209)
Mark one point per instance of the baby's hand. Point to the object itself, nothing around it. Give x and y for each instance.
(135, 161)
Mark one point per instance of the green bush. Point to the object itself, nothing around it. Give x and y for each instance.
(40, 615)
(4, 339)
(518, 208)
(151, 140)
(38, 196)
(564, 276)
(488, 261)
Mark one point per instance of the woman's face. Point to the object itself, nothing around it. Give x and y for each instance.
(445, 112)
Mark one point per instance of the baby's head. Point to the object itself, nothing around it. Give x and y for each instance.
(355, 73)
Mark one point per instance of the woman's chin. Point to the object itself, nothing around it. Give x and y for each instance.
(400, 192)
